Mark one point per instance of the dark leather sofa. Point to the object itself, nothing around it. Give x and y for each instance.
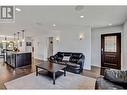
(112, 79)
(74, 64)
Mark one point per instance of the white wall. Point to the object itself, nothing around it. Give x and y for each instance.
(125, 46)
(41, 45)
(96, 43)
(70, 42)
(40, 48)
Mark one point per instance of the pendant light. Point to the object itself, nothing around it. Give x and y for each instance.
(18, 36)
(23, 35)
(14, 36)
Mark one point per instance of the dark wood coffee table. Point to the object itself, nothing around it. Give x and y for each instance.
(52, 68)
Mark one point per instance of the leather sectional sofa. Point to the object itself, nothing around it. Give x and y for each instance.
(112, 79)
(74, 62)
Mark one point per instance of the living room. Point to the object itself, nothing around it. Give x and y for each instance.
(45, 31)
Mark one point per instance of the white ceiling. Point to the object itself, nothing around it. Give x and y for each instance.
(36, 19)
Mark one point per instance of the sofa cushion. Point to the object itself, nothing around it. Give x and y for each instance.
(59, 59)
(67, 54)
(74, 59)
(73, 65)
(116, 76)
(60, 54)
(77, 55)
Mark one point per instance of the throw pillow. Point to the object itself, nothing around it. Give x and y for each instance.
(66, 58)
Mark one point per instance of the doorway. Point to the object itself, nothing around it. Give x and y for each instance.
(50, 46)
(111, 51)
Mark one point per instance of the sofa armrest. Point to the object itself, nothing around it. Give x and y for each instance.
(52, 59)
(81, 61)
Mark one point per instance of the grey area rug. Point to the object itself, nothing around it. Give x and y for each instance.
(70, 81)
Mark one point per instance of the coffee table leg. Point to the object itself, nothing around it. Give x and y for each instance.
(64, 71)
(36, 71)
(54, 78)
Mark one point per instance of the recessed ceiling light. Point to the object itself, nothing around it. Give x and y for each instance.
(81, 16)
(110, 24)
(39, 23)
(54, 25)
(17, 9)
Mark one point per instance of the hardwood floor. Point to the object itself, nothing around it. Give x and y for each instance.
(7, 73)
(94, 72)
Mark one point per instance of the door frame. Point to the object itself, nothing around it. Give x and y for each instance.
(118, 47)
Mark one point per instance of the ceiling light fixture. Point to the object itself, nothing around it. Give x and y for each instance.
(110, 24)
(81, 16)
(54, 25)
(17, 9)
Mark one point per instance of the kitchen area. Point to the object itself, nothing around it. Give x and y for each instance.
(16, 51)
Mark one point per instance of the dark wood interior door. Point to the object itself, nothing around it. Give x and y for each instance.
(111, 50)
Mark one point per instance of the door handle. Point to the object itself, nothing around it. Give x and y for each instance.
(102, 49)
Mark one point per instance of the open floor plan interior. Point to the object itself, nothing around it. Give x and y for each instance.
(63, 47)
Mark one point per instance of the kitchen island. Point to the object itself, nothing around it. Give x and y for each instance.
(18, 59)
